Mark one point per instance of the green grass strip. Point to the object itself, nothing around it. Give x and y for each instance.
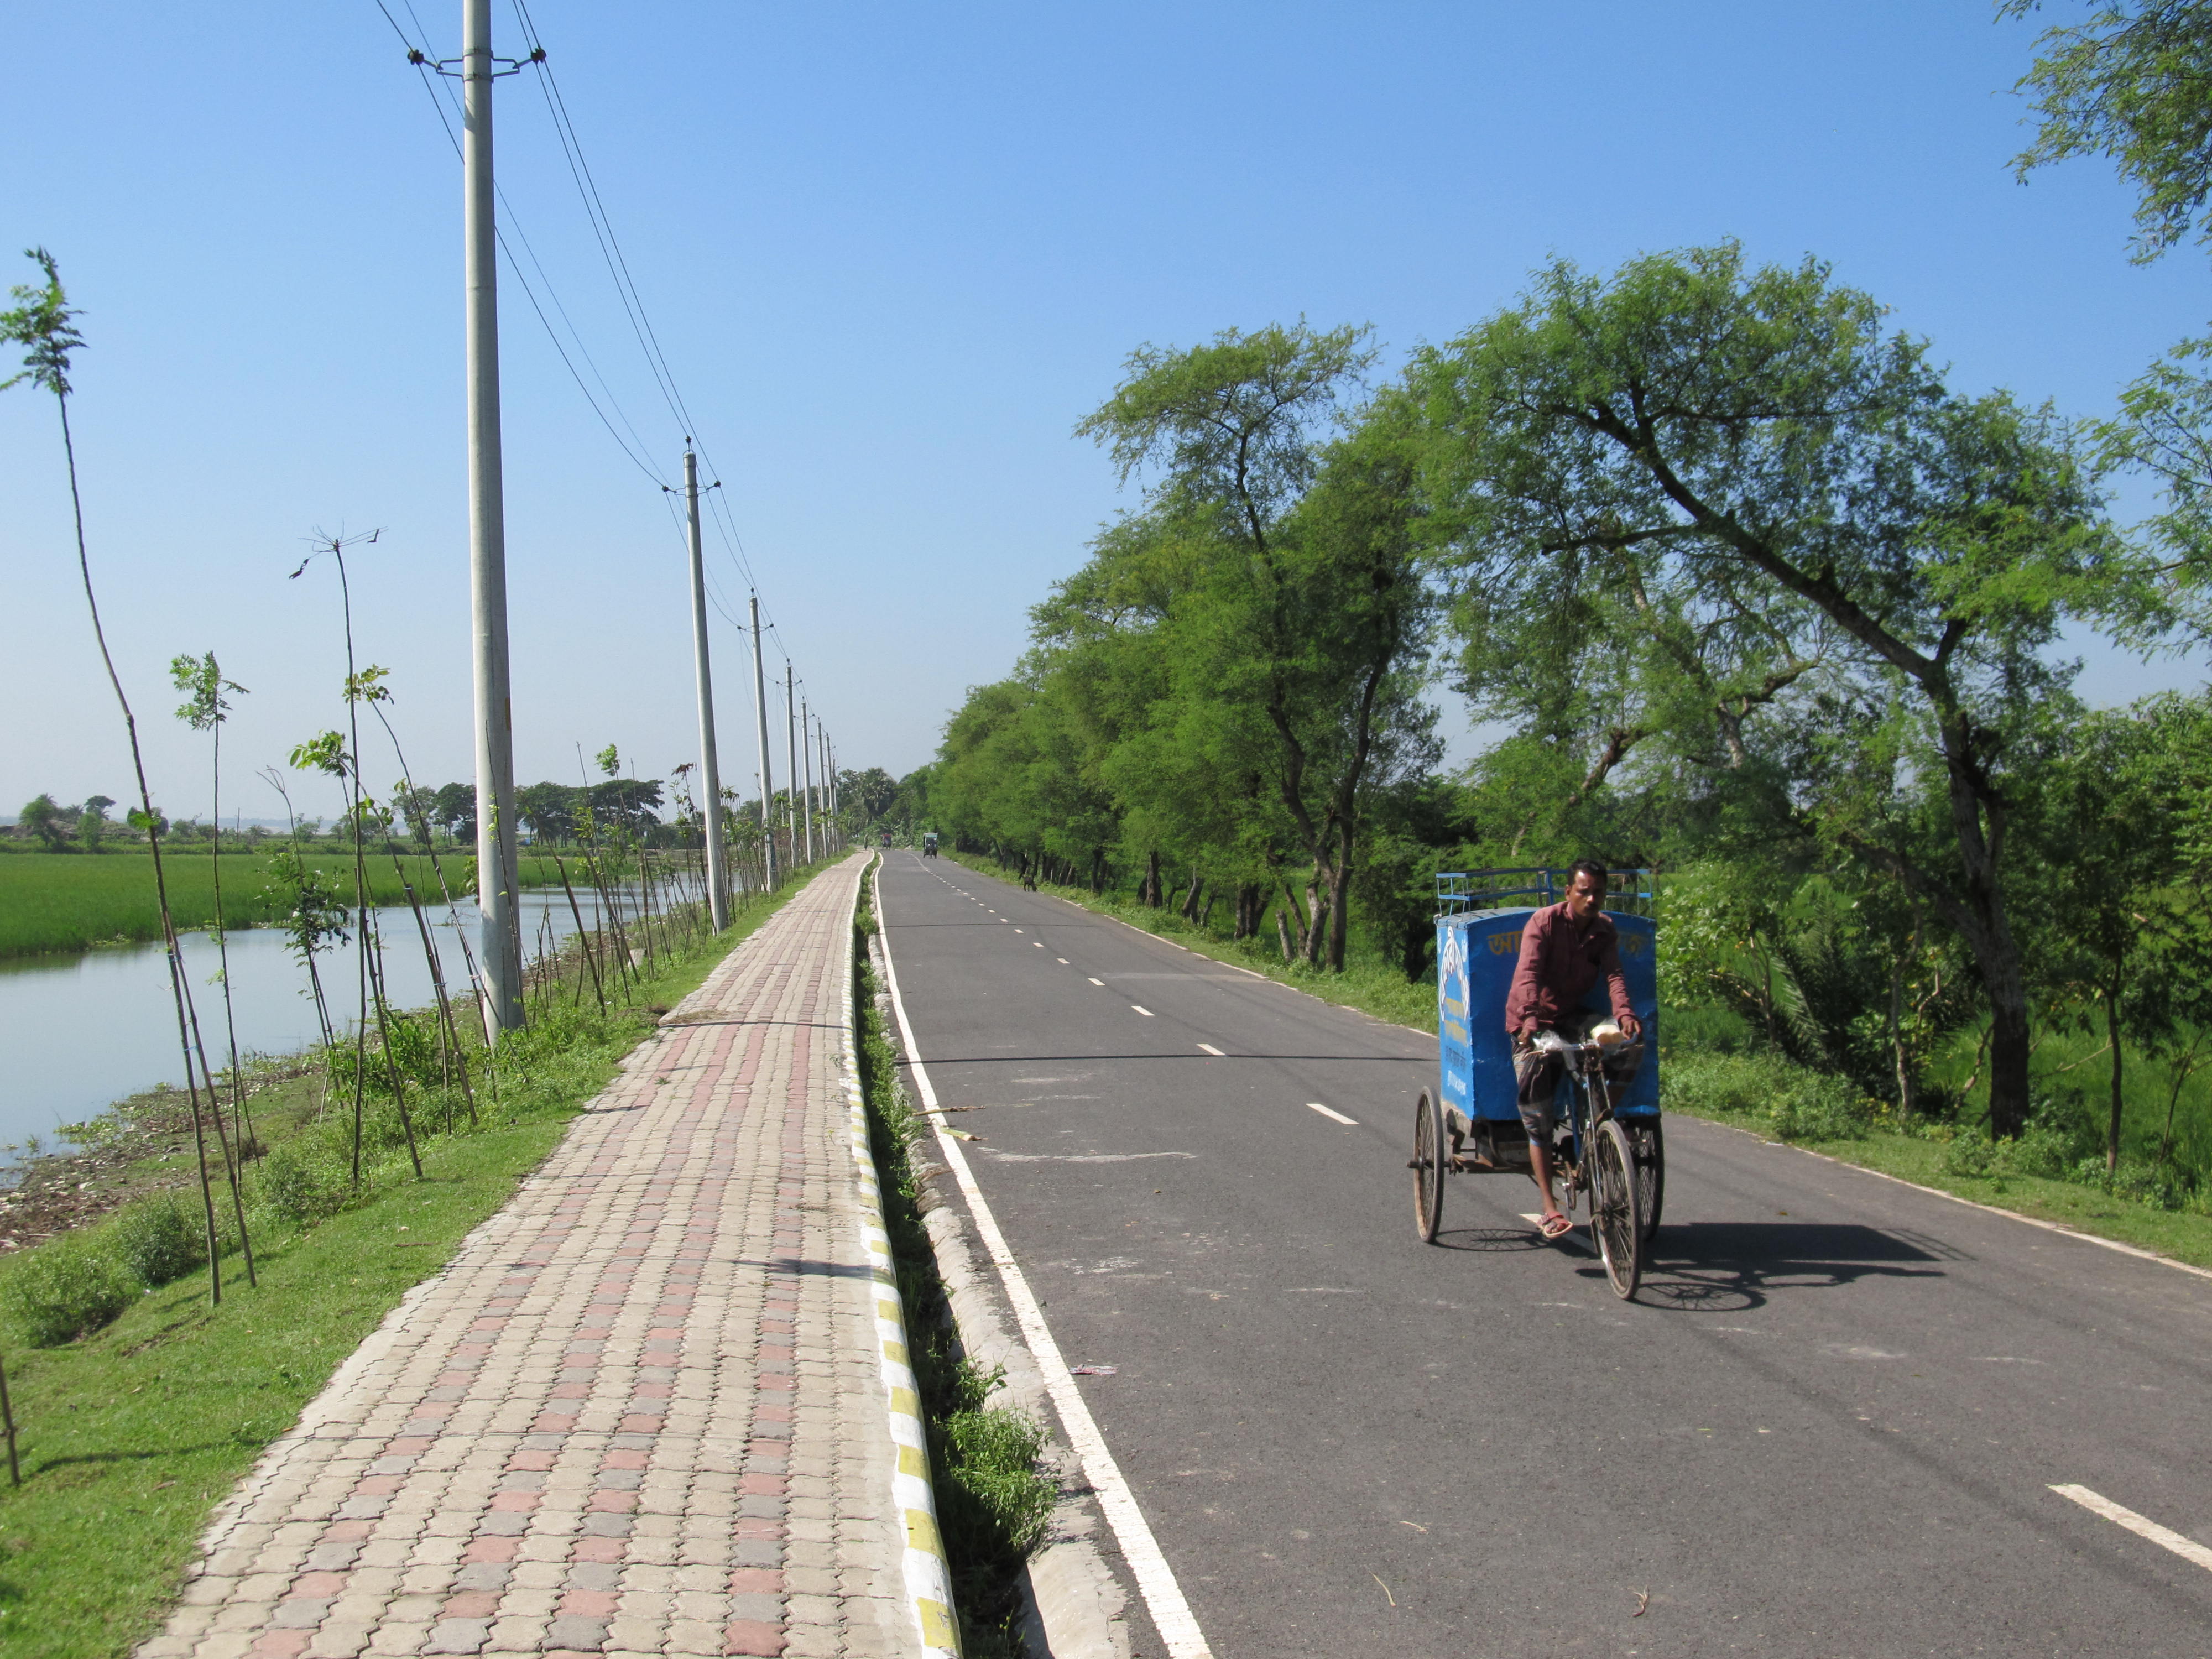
(52, 902)
(130, 1435)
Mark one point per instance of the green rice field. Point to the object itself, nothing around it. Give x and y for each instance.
(72, 901)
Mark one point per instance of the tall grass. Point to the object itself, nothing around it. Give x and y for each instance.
(68, 901)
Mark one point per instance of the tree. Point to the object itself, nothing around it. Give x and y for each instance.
(1756, 432)
(43, 818)
(549, 811)
(419, 807)
(92, 822)
(456, 810)
(868, 794)
(205, 708)
(1306, 604)
(2124, 918)
(2129, 85)
(45, 324)
(631, 805)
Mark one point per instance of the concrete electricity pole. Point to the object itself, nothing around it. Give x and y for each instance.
(767, 783)
(503, 936)
(718, 903)
(829, 781)
(807, 747)
(791, 771)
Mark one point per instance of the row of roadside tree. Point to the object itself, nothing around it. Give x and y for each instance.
(1732, 581)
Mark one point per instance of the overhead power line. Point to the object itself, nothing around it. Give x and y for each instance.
(633, 446)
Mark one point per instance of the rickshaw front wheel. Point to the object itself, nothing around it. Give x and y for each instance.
(1614, 1220)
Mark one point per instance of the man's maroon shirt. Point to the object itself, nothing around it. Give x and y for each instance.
(1559, 963)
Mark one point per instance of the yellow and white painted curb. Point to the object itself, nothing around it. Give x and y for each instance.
(928, 1578)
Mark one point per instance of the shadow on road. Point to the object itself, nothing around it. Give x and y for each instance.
(1510, 1239)
(1727, 1266)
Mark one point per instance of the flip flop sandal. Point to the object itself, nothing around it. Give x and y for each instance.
(1555, 1226)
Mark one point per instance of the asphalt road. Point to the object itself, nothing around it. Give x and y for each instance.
(1830, 1424)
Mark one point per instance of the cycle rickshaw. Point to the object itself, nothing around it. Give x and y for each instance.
(1609, 1149)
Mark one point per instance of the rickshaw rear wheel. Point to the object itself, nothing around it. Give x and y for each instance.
(1428, 1166)
(1650, 1176)
(1614, 1220)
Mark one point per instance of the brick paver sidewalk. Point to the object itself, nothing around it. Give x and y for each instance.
(642, 1411)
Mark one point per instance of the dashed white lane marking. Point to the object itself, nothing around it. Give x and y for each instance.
(1100, 983)
(1141, 1008)
(1038, 942)
(1062, 961)
(2187, 1548)
(1334, 1116)
(1215, 1052)
(1017, 930)
(1156, 1579)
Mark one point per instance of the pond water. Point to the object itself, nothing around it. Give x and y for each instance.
(79, 1033)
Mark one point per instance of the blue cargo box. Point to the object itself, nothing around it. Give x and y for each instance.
(1476, 953)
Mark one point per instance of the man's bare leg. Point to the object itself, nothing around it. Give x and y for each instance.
(1540, 1171)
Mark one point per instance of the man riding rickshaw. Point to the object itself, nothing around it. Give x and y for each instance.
(1565, 950)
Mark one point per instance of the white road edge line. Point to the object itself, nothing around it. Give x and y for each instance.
(2187, 1548)
(1141, 1008)
(1215, 1052)
(1156, 1580)
(1334, 1116)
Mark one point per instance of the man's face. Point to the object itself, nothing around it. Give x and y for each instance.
(1585, 896)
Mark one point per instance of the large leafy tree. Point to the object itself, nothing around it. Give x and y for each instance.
(2127, 925)
(2128, 83)
(1755, 436)
(2132, 83)
(43, 818)
(1297, 640)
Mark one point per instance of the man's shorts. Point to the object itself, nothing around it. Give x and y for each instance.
(1536, 1074)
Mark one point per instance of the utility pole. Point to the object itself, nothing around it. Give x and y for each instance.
(791, 771)
(494, 713)
(760, 711)
(828, 782)
(807, 747)
(718, 903)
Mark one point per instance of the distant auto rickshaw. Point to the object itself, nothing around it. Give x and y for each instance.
(929, 844)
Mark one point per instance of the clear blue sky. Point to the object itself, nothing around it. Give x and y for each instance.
(894, 253)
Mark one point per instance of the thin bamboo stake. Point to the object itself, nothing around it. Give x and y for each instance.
(583, 938)
(8, 1422)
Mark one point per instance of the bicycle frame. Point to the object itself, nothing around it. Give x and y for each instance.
(1589, 1103)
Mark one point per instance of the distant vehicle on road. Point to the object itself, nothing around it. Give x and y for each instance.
(887, 838)
(1609, 1144)
(929, 845)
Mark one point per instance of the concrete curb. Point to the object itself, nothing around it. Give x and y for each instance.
(928, 1577)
